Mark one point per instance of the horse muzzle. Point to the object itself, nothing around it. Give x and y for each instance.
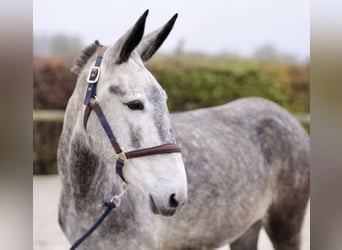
(169, 208)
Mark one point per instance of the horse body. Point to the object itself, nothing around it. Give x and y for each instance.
(247, 163)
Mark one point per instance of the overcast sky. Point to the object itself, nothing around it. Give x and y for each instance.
(215, 26)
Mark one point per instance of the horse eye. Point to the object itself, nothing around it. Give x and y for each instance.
(135, 105)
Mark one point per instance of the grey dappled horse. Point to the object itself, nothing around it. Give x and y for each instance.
(246, 162)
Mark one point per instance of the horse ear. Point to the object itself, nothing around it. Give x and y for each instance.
(131, 39)
(151, 42)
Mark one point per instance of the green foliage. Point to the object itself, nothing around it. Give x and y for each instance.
(45, 142)
(202, 82)
(191, 82)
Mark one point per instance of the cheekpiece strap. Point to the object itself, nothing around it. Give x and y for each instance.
(92, 79)
(93, 76)
(121, 156)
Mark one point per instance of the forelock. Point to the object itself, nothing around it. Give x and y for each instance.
(84, 57)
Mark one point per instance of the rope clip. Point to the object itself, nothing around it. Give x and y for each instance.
(116, 199)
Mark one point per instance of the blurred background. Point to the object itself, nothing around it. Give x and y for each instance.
(218, 51)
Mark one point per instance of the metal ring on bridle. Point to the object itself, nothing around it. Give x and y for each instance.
(122, 156)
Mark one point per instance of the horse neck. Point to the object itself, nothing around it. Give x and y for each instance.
(84, 174)
(87, 180)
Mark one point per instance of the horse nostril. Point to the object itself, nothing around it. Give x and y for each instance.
(173, 201)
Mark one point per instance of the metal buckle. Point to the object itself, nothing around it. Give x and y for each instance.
(93, 75)
(95, 99)
(116, 199)
(122, 156)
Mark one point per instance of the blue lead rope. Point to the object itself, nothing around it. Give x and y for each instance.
(110, 206)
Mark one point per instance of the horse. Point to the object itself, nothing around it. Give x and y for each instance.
(243, 165)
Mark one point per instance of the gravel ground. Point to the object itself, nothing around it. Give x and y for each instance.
(48, 235)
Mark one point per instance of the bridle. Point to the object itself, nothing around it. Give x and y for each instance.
(92, 104)
(122, 157)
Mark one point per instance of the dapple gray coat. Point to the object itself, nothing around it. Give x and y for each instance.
(247, 167)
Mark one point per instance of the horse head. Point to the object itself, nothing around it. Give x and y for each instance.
(135, 106)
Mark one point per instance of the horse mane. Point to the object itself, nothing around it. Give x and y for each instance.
(84, 57)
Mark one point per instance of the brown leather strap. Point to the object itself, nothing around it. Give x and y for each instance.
(96, 107)
(102, 51)
(116, 146)
(162, 149)
(121, 156)
(86, 116)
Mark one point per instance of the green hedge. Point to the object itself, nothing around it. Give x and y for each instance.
(190, 82)
(203, 82)
(45, 141)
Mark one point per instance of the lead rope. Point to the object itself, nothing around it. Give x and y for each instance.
(121, 156)
(110, 205)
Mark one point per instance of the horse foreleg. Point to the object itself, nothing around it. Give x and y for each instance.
(285, 217)
(249, 240)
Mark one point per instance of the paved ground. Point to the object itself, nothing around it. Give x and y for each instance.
(46, 232)
(48, 235)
